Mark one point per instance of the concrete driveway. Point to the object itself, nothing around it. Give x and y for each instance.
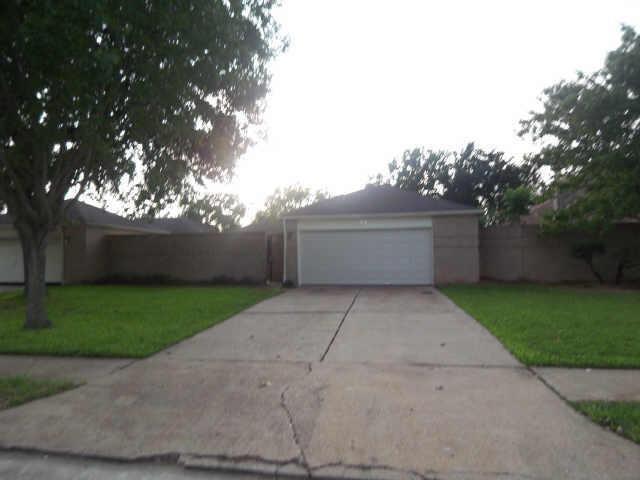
(333, 383)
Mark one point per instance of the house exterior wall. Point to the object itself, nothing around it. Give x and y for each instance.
(292, 252)
(456, 254)
(239, 256)
(275, 259)
(521, 253)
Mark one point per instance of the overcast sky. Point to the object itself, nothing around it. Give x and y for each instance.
(364, 80)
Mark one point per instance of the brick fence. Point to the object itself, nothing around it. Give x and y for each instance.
(521, 253)
(239, 257)
(506, 253)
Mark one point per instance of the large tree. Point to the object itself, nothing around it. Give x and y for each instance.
(589, 129)
(283, 200)
(92, 92)
(472, 176)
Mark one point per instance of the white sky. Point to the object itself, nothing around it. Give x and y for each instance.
(364, 80)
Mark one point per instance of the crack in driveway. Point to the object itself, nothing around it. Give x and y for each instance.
(296, 439)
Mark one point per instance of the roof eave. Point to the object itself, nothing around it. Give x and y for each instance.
(132, 228)
(432, 213)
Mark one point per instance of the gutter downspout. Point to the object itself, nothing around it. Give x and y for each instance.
(284, 248)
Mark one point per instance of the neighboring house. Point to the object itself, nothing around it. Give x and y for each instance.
(381, 235)
(268, 226)
(558, 202)
(537, 212)
(76, 252)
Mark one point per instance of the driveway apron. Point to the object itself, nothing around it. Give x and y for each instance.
(332, 383)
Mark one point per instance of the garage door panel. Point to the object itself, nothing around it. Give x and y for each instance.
(11, 263)
(376, 257)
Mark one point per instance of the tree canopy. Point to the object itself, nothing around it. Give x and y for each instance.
(222, 211)
(589, 129)
(283, 200)
(516, 202)
(163, 94)
(471, 177)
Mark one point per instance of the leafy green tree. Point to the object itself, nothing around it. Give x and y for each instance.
(220, 210)
(283, 200)
(516, 202)
(589, 129)
(418, 170)
(472, 176)
(95, 92)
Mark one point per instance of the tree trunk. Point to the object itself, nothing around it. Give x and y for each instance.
(34, 248)
(620, 272)
(595, 272)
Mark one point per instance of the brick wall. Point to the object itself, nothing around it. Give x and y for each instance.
(292, 252)
(86, 252)
(239, 256)
(455, 249)
(521, 253)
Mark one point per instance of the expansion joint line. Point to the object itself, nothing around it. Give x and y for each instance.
(339, 326)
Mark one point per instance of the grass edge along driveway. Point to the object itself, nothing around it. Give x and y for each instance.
(19, 389)
(560, 326)
(121, 321)
(620, 417)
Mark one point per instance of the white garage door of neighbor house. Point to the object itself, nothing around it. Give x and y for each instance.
(366, 257)
(11, 266)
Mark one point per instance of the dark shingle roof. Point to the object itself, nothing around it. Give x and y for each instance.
(379, 199)
(267, 226)
(83, 213)
(86, 214)
(178, 225)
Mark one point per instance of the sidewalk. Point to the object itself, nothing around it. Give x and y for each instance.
(576, 384)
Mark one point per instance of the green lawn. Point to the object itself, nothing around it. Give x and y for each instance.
(621, 417)
(15, 391)
(557, 325)
(120, 321)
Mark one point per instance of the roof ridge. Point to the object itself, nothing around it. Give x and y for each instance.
(382, 199)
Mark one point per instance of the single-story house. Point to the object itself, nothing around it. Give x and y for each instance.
(76, 252)
(381, 235)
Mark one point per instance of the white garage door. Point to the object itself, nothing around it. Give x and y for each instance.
(366, 257)
(11, 266)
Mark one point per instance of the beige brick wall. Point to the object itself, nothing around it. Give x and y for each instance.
(191, 258)
(456, 249)
(86, 252)
(292, 252)
(74, 238)
(521, 253)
